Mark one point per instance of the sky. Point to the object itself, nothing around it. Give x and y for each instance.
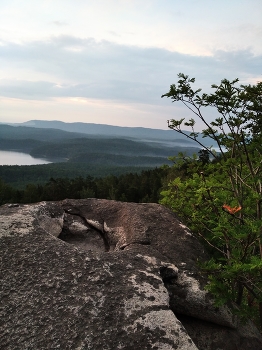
(109, 61)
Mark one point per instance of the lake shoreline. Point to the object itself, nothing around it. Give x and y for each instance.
(15, 157)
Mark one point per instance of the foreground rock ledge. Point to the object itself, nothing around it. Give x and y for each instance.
(100, 274)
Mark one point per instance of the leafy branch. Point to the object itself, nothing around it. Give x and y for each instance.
(221, 199)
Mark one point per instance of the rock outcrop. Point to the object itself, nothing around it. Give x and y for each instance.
(100, 274)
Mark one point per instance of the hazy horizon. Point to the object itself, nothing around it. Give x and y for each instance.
(85, 122)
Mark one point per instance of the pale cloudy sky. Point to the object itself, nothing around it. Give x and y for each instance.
(109, 61)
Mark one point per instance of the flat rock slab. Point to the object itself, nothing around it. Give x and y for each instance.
(100, 274)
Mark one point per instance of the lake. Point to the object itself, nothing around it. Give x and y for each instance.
(19, 158)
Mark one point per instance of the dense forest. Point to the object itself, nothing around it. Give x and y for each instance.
(19, 176)
(132, 187)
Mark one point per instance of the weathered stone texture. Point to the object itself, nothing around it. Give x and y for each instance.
(99, 274)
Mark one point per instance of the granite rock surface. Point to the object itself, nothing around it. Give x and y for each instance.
(100, 274)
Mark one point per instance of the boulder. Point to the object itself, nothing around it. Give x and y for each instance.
(101, 274)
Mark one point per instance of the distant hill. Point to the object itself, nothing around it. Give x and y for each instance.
(93, 149)
(24, 132)
(143, 134)
(103, 129)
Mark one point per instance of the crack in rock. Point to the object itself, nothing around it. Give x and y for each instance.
(95, 225)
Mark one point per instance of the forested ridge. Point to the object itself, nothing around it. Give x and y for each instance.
(62, 146)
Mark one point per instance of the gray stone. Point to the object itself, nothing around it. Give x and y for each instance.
(100, 274)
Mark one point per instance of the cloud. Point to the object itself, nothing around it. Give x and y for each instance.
(76, 67)
(26, 89)
(110, 90)
(240, 60)
(59, 23)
